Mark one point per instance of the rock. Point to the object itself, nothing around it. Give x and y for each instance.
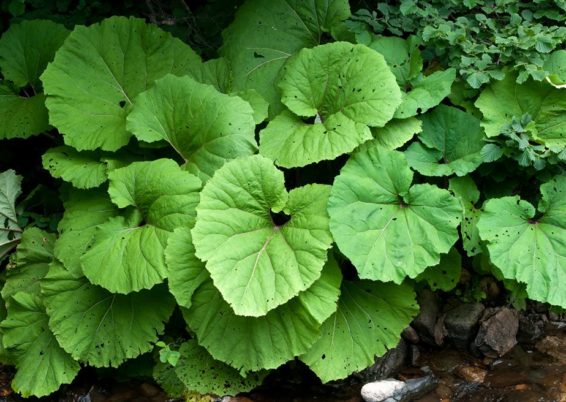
(415, 354)
(425, 322)
(498, 332)
(443, 391)
(461, 323)
(379, 391)
(472, 374)
(531, 327)
(148, 389)
(414, 389)
(410, 335)
(387, 365)
(554, 346)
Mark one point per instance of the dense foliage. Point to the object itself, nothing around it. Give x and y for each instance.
(225, 210)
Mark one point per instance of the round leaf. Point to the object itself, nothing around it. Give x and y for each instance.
(388, 229)
(201, 373)
(346, 88)
(98, 72)
(454, 139)
(43, 366)
(81, 169)
(21, 117)
(101, 328)
(204, 126)
(265, 33)
(256, 263)
(257, 343)
(127, 252)
(368, 322)
(27, 47)
(503, 100)
(526, 247)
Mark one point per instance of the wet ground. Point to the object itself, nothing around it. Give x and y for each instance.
(521, 376)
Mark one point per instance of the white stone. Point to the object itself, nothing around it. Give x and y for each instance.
(381, 390)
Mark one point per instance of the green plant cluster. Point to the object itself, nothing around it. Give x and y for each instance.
(282, 201)
(480, 38)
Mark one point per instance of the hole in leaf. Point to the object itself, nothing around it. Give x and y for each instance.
(279, 218)
(122, 103)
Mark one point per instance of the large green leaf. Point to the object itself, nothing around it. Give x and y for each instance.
(397, 132)
(527, 244)
(368, 322)
(84, 211)
(255, 262)
(201, 373)
(402, 56)
(504, 100)
(98, 72)
(453, 142)
(101, 328)
(346, 88)
(21, 116)
(386, 227)
(467, 192)
(82, 169)
(127, 252)
(185, 271)
(425, 93)
(42, 365)
(31, 263)
(446, 274)
(10, 232)
(27, 47)
(405, 60)
(204, 126)
(266, 342)
(265, 33)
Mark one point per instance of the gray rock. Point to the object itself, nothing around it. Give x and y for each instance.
(425, 322)
(498, 331)
(414, 389)
(387, 365)
(461, 323)
(531, 327)
(379, 391)
(410, 335)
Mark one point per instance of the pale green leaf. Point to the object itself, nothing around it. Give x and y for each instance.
(402, 56)
(98, 72)
(82, 169)
(127, 252)
(386, 227)
(31, 263)
(397, 132)
(555, 65)
(185, 271)
(368, 322)
(527, 244)
(503, 100)
(10, 232)
(84, 211)
(265, 33)
(205, 127)
(42, 365)
(446, 274)
(201, 373)
(101, 328)
(425, 93)
(256, 263)
(347, 88)
(257, 343)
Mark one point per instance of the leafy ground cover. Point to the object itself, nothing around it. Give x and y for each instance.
(216, 203)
